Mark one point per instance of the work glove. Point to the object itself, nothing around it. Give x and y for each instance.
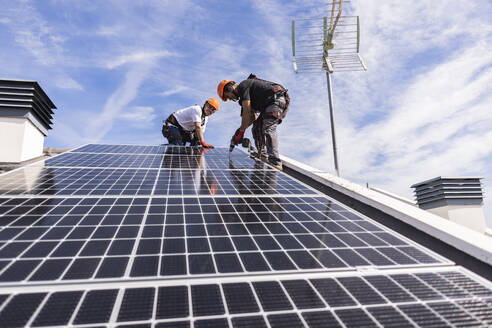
(238, 137)
(206, 145)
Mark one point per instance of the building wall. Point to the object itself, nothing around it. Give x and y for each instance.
(20, 140)
(470, 216)
(33, 141)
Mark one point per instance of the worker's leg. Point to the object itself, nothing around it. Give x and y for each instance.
(259, 137)
(173, 136)
(271, 140)
(270, 122)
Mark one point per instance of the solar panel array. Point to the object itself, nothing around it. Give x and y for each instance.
(156, 236)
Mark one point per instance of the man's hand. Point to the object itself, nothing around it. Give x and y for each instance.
(238, 137)
(206, 145)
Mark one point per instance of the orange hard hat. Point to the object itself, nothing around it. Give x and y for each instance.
(213, 102)
(220, 89)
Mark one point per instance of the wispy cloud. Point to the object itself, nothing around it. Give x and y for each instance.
(138, 57)
(66, 82)
(139, 116)
(33, 33)
(118, 100)
(40, 44)
(109, 30)
(176, 90)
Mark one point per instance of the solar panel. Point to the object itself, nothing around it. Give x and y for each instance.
(140, 236)
(313, 300)
(130, 181)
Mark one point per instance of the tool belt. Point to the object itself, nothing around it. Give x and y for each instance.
(282, 100)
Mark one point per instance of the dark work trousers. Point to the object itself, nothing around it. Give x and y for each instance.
(172, 134)
(175, 136)
(271, 119)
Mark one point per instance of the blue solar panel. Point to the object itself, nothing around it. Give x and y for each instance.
(161, 236)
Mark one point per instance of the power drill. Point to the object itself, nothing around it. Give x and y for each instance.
(232, 145)
(245, 143)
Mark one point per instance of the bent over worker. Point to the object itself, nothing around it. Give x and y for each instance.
(262, 101)
(188, 124)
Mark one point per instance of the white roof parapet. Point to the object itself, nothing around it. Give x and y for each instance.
(457, 236)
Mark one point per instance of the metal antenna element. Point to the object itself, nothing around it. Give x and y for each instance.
(329, 44)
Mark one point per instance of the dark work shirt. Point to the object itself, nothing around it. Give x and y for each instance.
(259, 92)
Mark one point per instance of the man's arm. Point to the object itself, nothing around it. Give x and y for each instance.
(248, 116)
(199, 132)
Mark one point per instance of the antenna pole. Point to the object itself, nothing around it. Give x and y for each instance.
(332, 121)
(330, 45)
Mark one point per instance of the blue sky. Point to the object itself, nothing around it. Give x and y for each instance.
(116, 69)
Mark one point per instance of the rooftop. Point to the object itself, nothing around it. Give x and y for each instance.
(178, 237)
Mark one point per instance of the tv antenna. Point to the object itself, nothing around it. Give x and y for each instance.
(329, 44)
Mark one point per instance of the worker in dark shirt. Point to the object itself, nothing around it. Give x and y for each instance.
(260, 100)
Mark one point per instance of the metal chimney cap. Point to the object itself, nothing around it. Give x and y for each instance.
(444, 178)
(445, 191)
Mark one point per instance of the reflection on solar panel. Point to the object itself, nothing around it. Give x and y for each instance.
(152, 221)
(86, 181)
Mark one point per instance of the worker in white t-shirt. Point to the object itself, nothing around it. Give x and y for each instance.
(188, 124)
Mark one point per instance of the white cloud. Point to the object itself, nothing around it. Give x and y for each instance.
(65, 82)
(109, 31)
(140, 116)
(137, 57)
(176, 90)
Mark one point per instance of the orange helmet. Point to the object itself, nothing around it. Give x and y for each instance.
(213, 102)
(220, 89)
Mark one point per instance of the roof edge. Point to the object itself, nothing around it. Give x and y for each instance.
(464, 239)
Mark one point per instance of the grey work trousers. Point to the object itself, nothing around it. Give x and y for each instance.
(270, 122)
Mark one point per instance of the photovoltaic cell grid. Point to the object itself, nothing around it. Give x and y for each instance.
(46, 239)
(92, 182)
(158, 150)
(441, 299)
(65, 225)
(122, 149)
(166, 161)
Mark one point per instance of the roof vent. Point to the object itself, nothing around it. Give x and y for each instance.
(458, 199)
(26, 114)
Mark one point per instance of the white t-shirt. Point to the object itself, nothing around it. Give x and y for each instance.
(187, 117)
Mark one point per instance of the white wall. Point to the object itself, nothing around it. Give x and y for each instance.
(470, 216)
(20, 140)
(33, 143)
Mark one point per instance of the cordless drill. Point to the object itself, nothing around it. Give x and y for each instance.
(233, 144)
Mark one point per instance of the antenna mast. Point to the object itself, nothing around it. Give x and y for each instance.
(329, 44)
